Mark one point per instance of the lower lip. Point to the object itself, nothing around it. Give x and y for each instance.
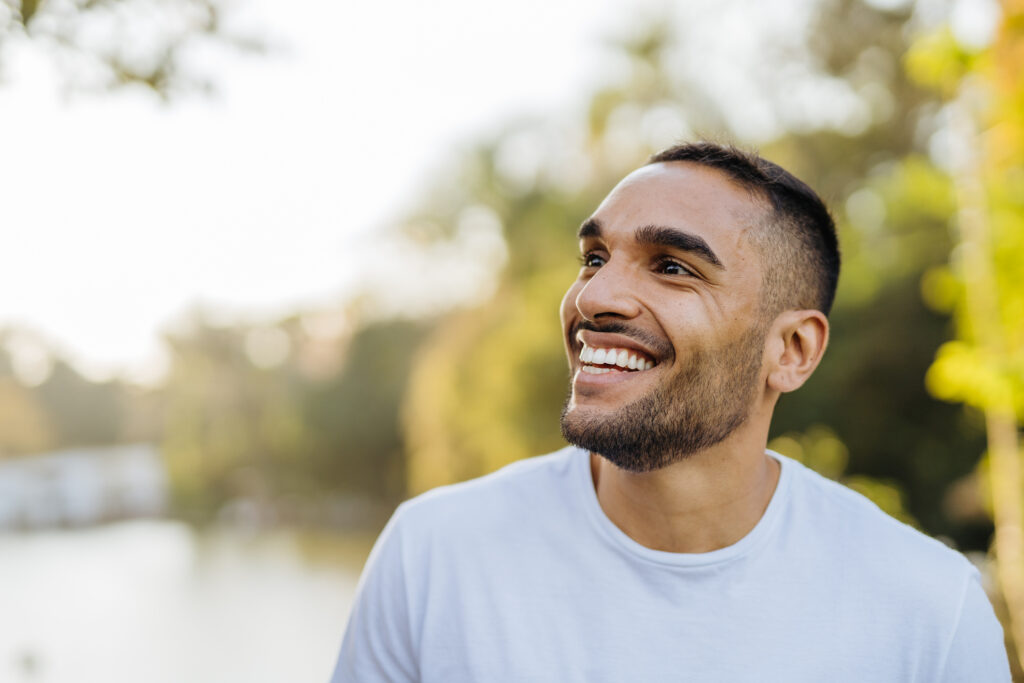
(613, 377)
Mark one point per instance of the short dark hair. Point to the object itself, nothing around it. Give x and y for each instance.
(797, 242)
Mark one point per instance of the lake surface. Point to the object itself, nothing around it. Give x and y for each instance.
(158, 602)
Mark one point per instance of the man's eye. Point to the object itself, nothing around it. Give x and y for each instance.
(591, 260)
(669, 267)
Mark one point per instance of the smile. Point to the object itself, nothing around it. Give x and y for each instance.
(599, 360)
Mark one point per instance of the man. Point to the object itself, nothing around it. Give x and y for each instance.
(667, 544)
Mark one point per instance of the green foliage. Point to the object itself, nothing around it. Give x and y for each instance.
(936, 60)
(352, 420)
(819, 448)
(28, 10)
(977, 376)
(82, 413)
(984, 282)
(320, 419)
(62, 409)
(69, 31)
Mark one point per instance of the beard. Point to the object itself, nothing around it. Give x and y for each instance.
(698, 407)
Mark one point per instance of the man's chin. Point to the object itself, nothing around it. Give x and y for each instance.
(583, 412)
(596, 431)
(624, 454)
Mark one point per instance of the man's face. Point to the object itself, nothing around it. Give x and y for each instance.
(663, 326)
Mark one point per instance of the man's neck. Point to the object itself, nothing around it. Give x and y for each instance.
(702, 503)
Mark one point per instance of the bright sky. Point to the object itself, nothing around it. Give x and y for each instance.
(120, 213)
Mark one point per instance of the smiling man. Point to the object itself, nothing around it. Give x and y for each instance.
(667, 543)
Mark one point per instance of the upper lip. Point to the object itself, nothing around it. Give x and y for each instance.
(609, 340)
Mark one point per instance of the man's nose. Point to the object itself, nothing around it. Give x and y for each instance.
(609, 293)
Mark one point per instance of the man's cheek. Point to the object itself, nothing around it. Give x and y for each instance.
(567, 309)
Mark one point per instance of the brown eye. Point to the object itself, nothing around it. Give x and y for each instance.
(669, 267)
(592, 260)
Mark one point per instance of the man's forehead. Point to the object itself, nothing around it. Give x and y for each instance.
(681, 194)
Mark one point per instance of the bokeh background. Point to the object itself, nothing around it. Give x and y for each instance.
(269, 269)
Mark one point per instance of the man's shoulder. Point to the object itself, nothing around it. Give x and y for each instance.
(506, 495)
(868, 540)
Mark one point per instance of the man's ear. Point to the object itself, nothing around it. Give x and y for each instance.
(796, 343)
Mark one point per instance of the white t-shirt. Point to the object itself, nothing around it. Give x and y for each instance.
(519, 576)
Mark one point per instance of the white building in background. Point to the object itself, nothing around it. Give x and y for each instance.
(82, 486)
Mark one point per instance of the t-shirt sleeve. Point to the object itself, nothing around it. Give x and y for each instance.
(977, 652)
(378, 643)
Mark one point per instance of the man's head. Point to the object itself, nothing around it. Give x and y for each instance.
(797, 238)
(706, 278)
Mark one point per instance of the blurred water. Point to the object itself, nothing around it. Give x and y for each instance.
(157, 602)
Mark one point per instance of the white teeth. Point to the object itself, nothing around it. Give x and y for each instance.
(618, 357)
(590, 369)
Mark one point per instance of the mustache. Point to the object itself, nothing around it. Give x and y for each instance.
(656, 344)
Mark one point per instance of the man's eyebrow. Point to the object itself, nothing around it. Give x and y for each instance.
(590, 228)
(659, 235)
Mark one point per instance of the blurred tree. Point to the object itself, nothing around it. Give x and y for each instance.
(141, 410)
(23, 422)
(108, 44)
(267, 414)
(229, 423)
(81, 412)
(984, 285)
(47, 404)
(352, 417)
